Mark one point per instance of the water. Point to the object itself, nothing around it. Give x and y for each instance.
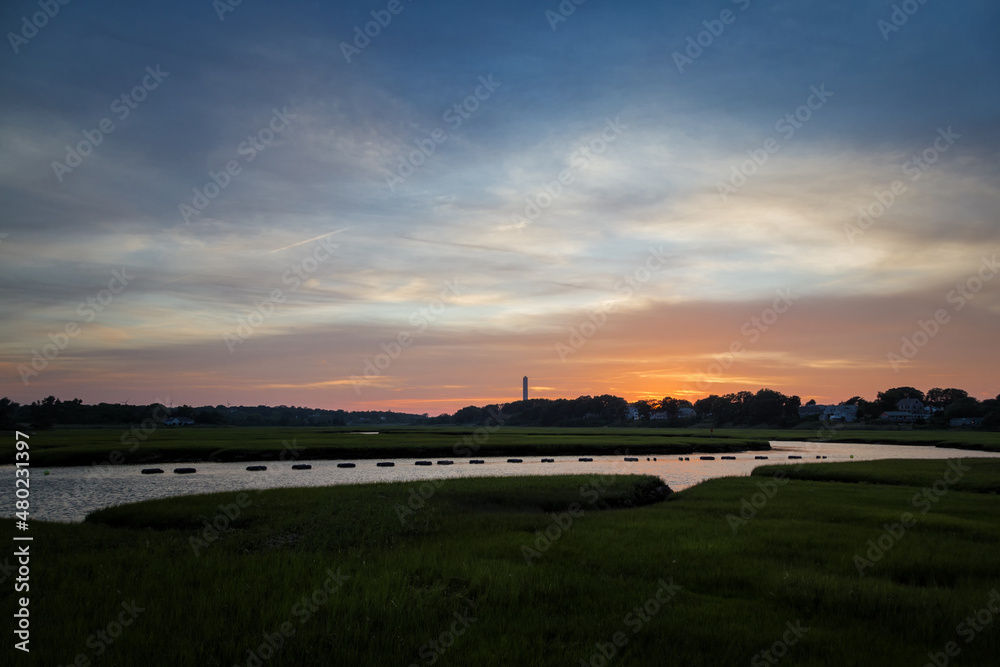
(68, 494)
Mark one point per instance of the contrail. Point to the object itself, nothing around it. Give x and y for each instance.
(474, 246)
(316, 238)
(174, 280)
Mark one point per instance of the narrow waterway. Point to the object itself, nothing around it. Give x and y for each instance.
(68, 494)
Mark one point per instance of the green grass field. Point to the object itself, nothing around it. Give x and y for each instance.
(982, 440)
(604, 579)
(93, 446)
(983, 475)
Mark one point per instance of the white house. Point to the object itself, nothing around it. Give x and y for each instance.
(910, 405)
(178, 421)
(832, 413)
(840, 413)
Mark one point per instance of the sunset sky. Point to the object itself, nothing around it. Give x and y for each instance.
(482, 191)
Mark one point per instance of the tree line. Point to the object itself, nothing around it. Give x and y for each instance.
(51, 411)
(766, 407)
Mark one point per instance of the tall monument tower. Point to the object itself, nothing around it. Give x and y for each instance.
(525, 386)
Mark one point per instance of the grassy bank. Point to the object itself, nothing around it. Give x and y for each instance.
(462, 550)
(62, 447)
(975, 475)
(973, 440)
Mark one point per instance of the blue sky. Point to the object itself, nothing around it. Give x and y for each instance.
(318, 189)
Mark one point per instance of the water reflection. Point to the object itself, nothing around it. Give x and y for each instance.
(68, 494)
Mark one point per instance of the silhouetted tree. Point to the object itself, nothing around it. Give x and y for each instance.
(468, 415)
(887, 400)
(965, 407)
(942, 398)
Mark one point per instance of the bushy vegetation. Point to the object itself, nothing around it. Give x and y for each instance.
(161, 444)
(583, 411)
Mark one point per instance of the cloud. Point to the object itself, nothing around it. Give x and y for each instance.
(533, 258)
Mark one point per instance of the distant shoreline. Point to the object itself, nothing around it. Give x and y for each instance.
(55, 459)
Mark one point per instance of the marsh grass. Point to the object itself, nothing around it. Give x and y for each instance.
(96, 446)
(980, 475)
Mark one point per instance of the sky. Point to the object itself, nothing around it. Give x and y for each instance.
(410, 205)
